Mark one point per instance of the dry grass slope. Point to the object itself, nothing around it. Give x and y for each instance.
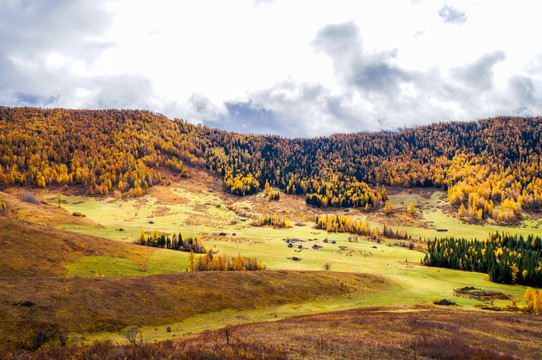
(35, 250)
(111, 304)
(370, 333)
(394, 333)
(43, 214)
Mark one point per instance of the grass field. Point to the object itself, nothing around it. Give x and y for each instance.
(100, 244)
(88, 305)
(409, 333)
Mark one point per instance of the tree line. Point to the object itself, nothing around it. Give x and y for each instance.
(207, 262)
(508, 259)
(213, 262)
(349, 224)
(180, 243)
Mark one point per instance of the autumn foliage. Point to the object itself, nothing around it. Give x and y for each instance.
(213, 262)
(490, 168)
(349, 224)
(188, 244)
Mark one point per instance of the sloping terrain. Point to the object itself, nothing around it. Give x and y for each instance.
(110, 304)
(36, 250)
(395, 333)
(370, 333)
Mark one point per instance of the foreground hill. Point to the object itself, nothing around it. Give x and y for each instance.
(119, 152)
(354, 334)
(54, 306)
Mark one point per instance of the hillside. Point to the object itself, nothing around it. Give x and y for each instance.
(36, 250)
(121, 151)
(68, 305)
(409, 333)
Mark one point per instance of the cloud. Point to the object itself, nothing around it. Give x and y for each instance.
(308, 77)
(376, 94)
(41, 40)
(291, 109)
(121, 92)
(260, 2)
(452, 15)
(479, 75)
(372, 72)
(33, 27)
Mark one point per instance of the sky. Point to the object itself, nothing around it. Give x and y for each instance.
(285, 67)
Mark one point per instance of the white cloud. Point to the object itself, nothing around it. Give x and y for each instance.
(290, 68)
(452, 15)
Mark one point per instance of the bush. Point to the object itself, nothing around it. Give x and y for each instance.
(77, 213)
(30, 198)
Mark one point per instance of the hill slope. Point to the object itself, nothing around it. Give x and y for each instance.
(36, 250)
(122, 151)
(110, 304)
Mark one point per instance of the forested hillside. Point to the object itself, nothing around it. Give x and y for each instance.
(490, 168)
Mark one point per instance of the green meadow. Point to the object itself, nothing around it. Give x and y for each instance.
(205, 214)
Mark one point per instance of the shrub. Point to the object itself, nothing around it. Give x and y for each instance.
(30, 198)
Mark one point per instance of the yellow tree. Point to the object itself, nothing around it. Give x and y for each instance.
(191, 261)
(142, 238)
(411, 209)
(387, 207)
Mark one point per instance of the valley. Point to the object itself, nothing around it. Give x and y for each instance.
(74, 270)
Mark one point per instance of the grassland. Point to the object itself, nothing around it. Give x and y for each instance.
(409, 333)
(86, 274)
(85, 305)
(36, 250)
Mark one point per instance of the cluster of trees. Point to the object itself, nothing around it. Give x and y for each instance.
(212, 262)
(343, 223)
(533, 300)
(271, 220)
(493, 153)
(108, 151)
(507, 259)
(491, 168)
(270, 193)
(180, 243)
(240, 184)
(346, 194)
(479, 187)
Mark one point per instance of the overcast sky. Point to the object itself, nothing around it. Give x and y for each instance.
(293, 68)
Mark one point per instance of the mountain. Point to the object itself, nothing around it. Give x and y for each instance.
(122, 152)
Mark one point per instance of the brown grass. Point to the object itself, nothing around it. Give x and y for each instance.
(36, 250)
(199, 180)
(42, 214)
(292, 207)
(369, 333)
(164, 350)
(381, 333)
(108, 304)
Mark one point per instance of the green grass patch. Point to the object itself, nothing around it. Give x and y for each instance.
(104, 266)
